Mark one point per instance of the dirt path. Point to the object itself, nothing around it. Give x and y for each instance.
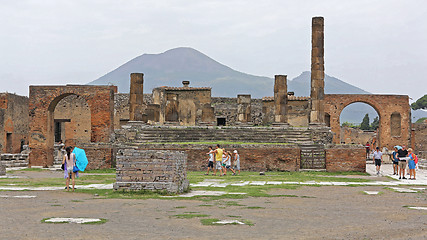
(329, 212)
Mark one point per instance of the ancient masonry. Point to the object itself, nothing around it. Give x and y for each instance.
(317, 95)
(151, 170)
(140, 133)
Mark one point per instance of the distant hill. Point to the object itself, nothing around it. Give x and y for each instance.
(173, 66)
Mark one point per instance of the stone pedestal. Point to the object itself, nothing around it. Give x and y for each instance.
(155, 170)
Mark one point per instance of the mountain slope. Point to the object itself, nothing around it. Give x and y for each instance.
(173, 66)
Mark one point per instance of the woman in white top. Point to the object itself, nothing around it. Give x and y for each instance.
(70, 161)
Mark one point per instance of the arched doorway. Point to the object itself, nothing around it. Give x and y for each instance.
(72, 119)
(359, 124)
(393, 111)
(43, 102)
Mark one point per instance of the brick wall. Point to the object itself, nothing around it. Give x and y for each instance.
(345, 158)
(139, 169)
(100, 156)
(13, 122)
(252, 157)
(420, 139)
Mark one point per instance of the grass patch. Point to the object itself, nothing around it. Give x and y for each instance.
(190, 215)
(112, 194)
(198, 176)
(255, 207)
(180, 207)
(232, 216)
(209, 221)
(108, 170)
(233, 203)
(76, 201)
(206, 205)
(56, 205)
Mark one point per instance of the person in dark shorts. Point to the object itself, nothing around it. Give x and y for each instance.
(395, 162)
(210, 161)
(377, 159)
(402, 154)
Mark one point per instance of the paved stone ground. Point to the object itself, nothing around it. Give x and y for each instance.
(326, 212)
(323, 212)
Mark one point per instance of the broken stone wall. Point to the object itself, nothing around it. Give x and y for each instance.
(121, 108)
(13, 122)
(139, 169)
(356, 136)
(420, 139)
(298, 110)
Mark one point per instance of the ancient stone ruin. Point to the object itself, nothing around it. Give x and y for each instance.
(151, 170)
(139, 133)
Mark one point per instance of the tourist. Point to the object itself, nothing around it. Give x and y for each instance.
(236, 161)
(395, 161)
(402, 154)
(211, 161)
(368, 148)
(377, 159)
(411, 164)
(228, 163)
(224, 158)
(69, 162)
(218, 158)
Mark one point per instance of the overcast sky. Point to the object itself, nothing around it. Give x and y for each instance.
(379, 46)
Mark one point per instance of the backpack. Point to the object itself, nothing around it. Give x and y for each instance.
(415, 158)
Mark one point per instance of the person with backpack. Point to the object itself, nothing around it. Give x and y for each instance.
(395, 161)
(411, 163)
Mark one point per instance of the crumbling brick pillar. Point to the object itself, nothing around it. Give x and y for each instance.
(280, 98)
(244, 108)
(317, 114)
(136, 98)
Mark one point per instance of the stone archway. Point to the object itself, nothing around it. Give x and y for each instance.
(385, 105)
(42, 103)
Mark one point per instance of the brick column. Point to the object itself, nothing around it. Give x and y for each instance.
(317, 114)
(136, 98)
(280, 98)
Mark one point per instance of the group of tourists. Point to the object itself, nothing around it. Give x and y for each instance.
(222, 160)
(400, 157)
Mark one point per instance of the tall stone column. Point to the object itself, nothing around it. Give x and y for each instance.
(280, 98)
(317, 114)
(136, 98)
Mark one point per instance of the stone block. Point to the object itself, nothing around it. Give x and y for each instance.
(140, 169)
